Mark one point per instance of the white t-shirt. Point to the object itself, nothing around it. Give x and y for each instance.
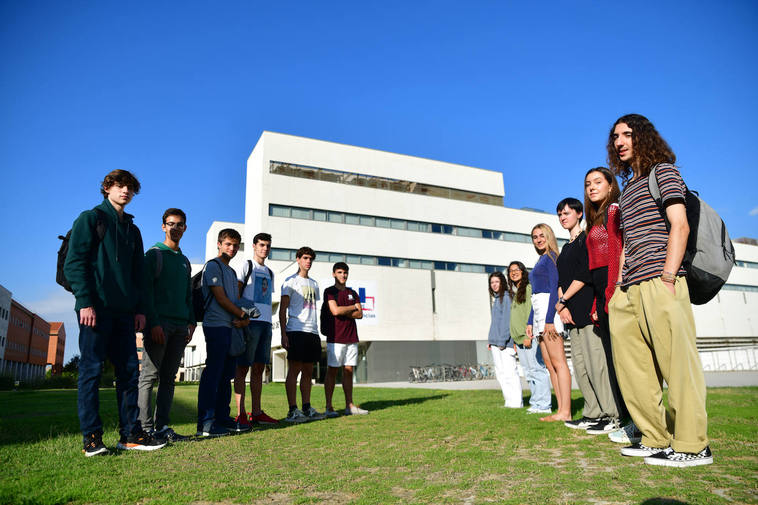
(259, 287)
(301, 313)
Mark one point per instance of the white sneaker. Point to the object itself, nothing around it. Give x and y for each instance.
(629, 434)
(312, 414)
(296, 416)
(355, 411)
(535, 410)
(670, 457)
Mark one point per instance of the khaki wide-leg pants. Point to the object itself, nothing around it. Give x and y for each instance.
(653, 337)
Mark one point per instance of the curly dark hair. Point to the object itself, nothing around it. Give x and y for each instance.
(648, 147)
(522, 285)
(122, 178)
(595, 213)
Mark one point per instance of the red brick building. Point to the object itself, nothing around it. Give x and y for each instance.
(27, 344)
(56, 347)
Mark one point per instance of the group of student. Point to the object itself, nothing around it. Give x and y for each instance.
(121, 290)
(618, 291)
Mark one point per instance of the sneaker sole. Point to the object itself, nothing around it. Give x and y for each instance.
(625, 440)
(266, 423)
(139, 447)
(678, 464)
(590, 431)
(575, 426)
(205, 434)
(104, 450)
(637, 453)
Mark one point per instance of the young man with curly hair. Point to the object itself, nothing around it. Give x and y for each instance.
(651, 320)
(104, 268)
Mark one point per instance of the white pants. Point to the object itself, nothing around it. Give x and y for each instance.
(507, 376)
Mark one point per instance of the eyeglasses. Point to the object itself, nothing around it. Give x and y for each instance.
(171, 224)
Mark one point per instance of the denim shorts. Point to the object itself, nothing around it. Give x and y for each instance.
(258, 349)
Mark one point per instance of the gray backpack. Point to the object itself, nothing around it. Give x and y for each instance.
(709, 256)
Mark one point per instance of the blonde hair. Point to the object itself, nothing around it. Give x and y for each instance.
(552, 244)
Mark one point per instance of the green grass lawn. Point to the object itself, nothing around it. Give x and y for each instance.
(416, 446)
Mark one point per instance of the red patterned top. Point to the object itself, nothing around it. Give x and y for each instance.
(604, 245)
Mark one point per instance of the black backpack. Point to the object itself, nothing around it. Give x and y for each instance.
(327, 318)
(709, 256)
(200, 303)
(60, 276)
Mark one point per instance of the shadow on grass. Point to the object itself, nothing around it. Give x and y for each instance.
(386, 404)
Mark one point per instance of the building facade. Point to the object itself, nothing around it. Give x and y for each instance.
(28, 338)
(421, 237)
(56, 347)
(5, 315)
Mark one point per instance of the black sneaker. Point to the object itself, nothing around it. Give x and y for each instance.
(212, 431)
(670, 457)
(641, 450)
(141, 441)
(169, 435)
(93, 445)
(233, 426)
(581, 424)
(604, 426)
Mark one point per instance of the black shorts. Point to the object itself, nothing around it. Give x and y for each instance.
(304, 347)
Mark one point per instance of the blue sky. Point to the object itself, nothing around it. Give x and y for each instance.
(179, 92)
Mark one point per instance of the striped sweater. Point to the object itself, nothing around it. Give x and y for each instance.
(645, 234)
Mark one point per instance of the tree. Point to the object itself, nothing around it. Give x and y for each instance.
(72, 365)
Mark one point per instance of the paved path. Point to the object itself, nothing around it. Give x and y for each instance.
(712, 379)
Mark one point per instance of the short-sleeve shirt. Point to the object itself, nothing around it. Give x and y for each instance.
(218, 274)
(574, 264)
(645, 234)
(259, 287)
(303, 294)
(345, 329)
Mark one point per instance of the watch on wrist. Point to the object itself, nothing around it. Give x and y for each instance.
(562, 300)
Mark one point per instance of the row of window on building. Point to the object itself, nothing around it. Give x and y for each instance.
(279, 254)
(397, 224)
(4, 313)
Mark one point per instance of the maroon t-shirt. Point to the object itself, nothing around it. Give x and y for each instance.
(345, 329)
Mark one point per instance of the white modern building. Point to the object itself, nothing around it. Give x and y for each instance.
(420, 237)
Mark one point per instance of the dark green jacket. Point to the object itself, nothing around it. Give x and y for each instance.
(106, 274)
(169, 297)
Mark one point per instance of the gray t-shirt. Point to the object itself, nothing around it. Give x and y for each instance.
(218, 274)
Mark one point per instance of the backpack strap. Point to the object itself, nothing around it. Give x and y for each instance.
(209, 299)
(655, 192)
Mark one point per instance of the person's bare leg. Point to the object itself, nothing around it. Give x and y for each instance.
(347, 385)
(305, 382)
(239, 388)
(290, 383)
(563, 380)
(256, 387)
(329, 382)
(550, 369)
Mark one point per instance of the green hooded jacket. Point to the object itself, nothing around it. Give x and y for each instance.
(106, 274)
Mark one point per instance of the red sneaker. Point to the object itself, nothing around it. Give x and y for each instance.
(262, 418)
(242, 420)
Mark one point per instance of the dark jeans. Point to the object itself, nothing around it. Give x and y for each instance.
(215, 390)
(112, 338)
(160, 362)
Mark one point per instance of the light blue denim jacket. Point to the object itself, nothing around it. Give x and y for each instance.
(500, 327)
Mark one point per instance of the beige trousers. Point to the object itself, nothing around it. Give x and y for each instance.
(591, 372)
(653, 339)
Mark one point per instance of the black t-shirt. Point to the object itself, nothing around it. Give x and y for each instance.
(574, 264)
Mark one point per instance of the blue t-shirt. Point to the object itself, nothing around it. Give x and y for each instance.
(218, 274)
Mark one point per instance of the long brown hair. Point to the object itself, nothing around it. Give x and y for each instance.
(595, 212)
(522, 285)
(648, 148)
(503, 286)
